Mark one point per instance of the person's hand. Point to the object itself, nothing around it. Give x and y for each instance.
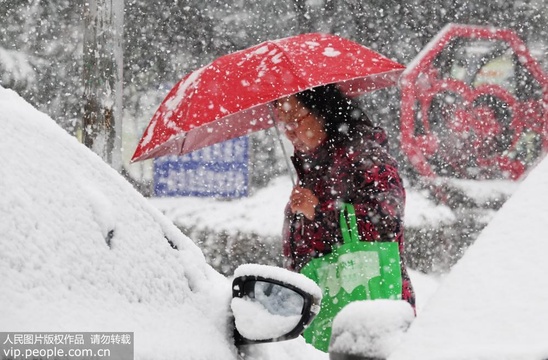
(303, 201)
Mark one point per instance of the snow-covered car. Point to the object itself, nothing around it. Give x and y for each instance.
(492, 305)
(82, 251)
(494, 302)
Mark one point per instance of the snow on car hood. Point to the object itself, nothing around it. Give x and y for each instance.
(81, 250)
(494, 302)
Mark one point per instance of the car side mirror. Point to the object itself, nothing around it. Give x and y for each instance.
(271, 304)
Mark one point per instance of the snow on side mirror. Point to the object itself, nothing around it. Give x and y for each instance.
(271, 304)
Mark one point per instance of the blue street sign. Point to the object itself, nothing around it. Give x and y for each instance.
(220, 170)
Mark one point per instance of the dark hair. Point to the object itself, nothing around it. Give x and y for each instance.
(343, 117)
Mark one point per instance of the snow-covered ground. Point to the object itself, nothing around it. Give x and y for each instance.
(262, 213)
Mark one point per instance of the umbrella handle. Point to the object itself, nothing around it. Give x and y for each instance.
(286, 157)
(291, 175)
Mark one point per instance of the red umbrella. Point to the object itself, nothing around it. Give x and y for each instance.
(229, 97)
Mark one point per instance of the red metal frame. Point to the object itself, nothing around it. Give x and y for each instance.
(420, 82)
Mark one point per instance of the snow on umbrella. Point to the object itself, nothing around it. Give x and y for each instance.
(230, 97)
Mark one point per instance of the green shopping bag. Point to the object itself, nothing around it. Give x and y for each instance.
(355, 270)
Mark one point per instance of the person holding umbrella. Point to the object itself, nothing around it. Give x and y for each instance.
(340, 157)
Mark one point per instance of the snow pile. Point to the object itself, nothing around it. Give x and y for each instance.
(486, 190)
(371, 329)
(81, 250)
(421, 212)
(262, 213)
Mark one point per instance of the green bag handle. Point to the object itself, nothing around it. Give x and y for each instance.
(348, 217)
(325, 271)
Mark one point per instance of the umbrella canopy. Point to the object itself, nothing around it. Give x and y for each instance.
(229, 97)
